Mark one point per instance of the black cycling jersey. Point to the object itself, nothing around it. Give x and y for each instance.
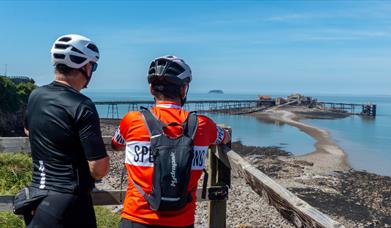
(64, 133)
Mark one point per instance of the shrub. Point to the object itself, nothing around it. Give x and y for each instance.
(105, 218)
(8, 219)
(15, 172)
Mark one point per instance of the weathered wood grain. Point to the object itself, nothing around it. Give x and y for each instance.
(297, 211)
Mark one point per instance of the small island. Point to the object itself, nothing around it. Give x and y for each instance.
(216, 91)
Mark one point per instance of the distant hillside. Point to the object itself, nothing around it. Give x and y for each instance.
(14, 93)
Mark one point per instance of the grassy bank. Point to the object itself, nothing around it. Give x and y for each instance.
(15, 173)
(104, 218)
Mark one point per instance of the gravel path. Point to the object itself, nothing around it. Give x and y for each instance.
(245, 208)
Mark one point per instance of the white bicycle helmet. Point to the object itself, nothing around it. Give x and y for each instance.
(74, 51)
(169, 68)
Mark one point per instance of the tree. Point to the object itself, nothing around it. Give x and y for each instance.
(13, 100)
(23, 90)
(9, 99)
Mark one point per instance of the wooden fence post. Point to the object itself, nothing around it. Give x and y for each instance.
(219, 171)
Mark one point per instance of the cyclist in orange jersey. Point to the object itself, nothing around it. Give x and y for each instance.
(169, 79)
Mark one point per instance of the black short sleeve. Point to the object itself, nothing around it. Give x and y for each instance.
(88, 125)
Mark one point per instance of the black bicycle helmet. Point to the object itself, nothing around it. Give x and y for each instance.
(170, 69)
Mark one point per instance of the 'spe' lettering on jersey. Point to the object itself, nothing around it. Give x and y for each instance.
(141, 153)
(138, 153)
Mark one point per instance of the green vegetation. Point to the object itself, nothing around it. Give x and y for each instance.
(8, 219)
(14, 93)
(105, 218)
(15, 173)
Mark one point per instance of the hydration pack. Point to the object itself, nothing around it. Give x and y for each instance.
(172, 160)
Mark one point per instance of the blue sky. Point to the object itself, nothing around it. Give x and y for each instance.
(261, 47)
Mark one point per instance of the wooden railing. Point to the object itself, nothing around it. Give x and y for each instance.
(216, 194)
(221, 160)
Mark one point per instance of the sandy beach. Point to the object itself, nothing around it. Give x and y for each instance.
(328, 156)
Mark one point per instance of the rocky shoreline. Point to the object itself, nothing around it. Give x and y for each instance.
(354, 198)
(323, 179)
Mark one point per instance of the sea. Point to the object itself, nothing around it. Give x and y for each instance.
(366, 141)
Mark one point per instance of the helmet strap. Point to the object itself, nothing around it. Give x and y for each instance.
(84, 73)
(183, 99)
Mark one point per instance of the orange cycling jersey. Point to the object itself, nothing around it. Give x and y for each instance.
(133, 134)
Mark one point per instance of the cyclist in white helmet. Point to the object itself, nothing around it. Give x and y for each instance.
(74, 53)
(66, 143)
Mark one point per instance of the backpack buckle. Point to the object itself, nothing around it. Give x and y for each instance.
(218, 193)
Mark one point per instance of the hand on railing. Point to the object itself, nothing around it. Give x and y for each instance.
(228, 139)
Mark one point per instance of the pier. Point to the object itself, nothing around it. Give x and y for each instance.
(239, 106)
(356, 109)
(195, 105)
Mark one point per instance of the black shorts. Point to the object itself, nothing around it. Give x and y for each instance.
(64, 210)
(125, 223)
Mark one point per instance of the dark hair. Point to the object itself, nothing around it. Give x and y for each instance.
(65, 70)
(165, 89)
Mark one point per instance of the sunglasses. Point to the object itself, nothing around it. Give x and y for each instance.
(94, 66)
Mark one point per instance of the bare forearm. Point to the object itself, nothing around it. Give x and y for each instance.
(99, 168)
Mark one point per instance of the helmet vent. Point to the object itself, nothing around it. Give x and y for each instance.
(176, 69)
(172, 72)
(76, 50)
(59, 56)
(65, 39)
(61, 46)
(77, 59)
(93, 47)
(161, 62)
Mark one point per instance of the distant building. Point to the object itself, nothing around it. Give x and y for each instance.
(264, 98)
(21, 79)
(280, 100)
(266, 101)
(301, 99)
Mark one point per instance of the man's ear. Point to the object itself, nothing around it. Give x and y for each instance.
(86, 68)
(151, 90)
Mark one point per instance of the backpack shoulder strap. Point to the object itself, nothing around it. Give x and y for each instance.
(191, 124)
(155, 127)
